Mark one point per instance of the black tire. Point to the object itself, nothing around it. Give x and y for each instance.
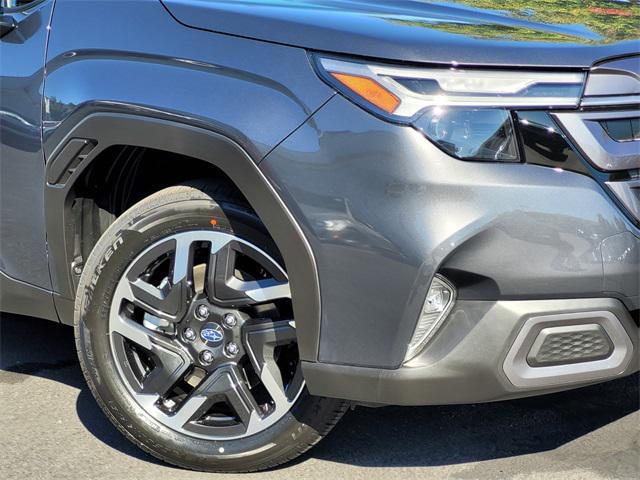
(176, 209)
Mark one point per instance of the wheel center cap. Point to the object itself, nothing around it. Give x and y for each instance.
(212, 334)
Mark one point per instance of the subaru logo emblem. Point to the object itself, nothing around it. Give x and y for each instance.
(212, 333)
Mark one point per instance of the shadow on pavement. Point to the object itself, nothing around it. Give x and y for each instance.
(390, 436)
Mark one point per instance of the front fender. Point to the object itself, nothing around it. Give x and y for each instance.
(109, 128)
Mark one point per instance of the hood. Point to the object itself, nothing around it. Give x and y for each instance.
(568, 33)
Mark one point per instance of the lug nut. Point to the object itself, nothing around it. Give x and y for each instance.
(189, 334)
(230, 320)
(231, 349)
(206, 357)
(202, 312)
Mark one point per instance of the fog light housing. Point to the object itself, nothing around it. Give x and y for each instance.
(440, 298)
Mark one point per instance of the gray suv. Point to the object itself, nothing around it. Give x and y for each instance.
(258, 213)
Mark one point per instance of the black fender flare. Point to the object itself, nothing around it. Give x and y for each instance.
(105, 129)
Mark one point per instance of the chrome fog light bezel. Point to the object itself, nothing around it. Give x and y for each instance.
(422, 335)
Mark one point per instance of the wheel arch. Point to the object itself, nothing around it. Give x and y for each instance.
(98, 131)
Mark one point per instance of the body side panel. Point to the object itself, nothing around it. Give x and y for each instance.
(23, 254)
(103, 51)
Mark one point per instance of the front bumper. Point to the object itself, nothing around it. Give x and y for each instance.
(384, 210)
(472, 358)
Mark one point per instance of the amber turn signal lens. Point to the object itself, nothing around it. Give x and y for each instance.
(369, 90)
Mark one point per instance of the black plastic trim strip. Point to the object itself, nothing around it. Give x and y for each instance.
(26, 299)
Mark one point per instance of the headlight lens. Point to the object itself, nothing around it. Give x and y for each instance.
(474, 134)
(464, 111)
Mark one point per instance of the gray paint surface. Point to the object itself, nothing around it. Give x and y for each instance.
(226, 84)
(23, 253)
(408, 30)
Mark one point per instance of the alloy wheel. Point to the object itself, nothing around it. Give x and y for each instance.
(203, 335)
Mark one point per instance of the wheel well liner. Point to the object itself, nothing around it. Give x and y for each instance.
(109, 129)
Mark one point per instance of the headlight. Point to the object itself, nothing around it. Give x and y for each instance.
(463, 111)
(473, 134)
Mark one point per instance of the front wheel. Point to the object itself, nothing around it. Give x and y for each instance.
(186, 336)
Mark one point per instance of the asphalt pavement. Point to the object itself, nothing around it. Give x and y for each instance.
(51, 428)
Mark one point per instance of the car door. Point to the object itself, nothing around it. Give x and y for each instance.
(24, 30)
